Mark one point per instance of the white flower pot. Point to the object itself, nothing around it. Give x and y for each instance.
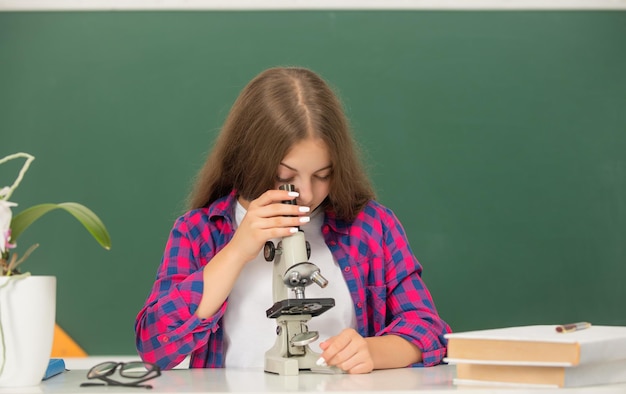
(27, 315)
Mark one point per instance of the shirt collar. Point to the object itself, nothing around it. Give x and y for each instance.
(224, 207)
(334, 223)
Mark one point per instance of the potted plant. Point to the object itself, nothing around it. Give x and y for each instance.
(28, 303)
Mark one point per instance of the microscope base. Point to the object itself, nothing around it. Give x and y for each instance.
(282, 366)
(292, 366)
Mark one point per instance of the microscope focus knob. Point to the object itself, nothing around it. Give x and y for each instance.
(269, 251)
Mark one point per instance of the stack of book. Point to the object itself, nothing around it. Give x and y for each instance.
(539, 356)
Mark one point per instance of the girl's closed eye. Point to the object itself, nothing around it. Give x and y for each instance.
(325, 175)
(284, 180)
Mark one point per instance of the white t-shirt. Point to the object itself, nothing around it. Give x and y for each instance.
(249, 333)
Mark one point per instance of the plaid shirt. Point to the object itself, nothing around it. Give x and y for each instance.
(383, 277)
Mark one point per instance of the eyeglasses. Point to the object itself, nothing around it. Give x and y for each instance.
(138, 371)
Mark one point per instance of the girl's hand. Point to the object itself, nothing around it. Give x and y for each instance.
(348, 351)
(268, 217)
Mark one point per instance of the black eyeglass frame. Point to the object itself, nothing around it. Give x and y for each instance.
(153, 372)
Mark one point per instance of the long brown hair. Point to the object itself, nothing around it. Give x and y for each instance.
(279, 107)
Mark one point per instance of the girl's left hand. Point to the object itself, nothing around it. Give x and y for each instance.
(348, 351)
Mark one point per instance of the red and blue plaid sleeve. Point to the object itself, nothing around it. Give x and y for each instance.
(166, 328)
(384, 275)
(410, 303)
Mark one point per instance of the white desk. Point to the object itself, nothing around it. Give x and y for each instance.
(434, 380)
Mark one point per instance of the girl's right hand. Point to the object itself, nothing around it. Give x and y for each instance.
(267, 217)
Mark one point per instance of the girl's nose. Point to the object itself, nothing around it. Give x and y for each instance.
(306, 194)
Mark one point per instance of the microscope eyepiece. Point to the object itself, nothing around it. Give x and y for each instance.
(290, 188)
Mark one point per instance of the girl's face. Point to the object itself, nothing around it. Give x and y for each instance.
(308, 167)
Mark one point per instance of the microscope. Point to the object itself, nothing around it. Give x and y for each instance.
(292, 271)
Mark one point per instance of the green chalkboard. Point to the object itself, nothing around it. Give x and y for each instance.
(498, 138)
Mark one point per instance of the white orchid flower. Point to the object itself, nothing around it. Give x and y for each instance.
(5, 224)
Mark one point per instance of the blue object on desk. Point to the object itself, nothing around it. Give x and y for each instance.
(55, 367)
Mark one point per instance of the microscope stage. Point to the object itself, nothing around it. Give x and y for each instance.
(306, 306)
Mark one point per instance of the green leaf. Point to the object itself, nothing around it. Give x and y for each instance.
(90, 220)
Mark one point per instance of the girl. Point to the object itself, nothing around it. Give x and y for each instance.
(213, 285)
